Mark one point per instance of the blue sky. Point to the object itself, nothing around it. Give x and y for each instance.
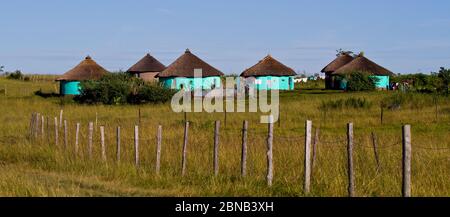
(52, 36)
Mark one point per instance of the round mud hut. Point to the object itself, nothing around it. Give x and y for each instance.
(364, 65)
(181, 74)
(269, 74)
(88, 69)
(147, 68)
(341, 60)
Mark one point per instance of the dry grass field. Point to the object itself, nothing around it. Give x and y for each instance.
(39, 168)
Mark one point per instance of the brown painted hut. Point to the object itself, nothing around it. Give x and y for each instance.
(87, 69)
(147, 68)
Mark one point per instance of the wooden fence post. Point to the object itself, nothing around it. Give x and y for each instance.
(118, 144)
(77, 132)
(47, 130)
(136, 146)
(158, 149)
(216, 148)
(90, 137)
(56, 131)
(406, 164)
(60, 118)
(351, 178)
(307, 181)
(244, 149)
(102, 142)
(270, 152)
(42, 128)
(183, 160)
(36, 122)
(66, 140)
(375, 150)
(32, 125)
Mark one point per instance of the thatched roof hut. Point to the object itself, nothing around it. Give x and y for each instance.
(87, 69)
(147, 64)
(147, 68)
(362, 64)
(337, 63)
(184, 67)
(268, 66)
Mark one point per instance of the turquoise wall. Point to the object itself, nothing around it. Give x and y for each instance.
(204, 83)
(383, 81)
(69, 87)
(274, 82)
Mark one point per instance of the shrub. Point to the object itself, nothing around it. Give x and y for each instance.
(17, 75)
(358, 81)
(151, 93)
(121, 88)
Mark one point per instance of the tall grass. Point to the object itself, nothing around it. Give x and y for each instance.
(39, 168)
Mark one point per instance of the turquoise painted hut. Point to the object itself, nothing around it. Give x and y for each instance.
(364, 65)
(180, 74)
(147, 68)
(269, 74)
(88, 69)
(342, 59)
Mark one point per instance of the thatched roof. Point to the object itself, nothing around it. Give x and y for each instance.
(362, 64)
(88, 69)
(268, 66)
(147, 64)
(184, 67)
(337, 63)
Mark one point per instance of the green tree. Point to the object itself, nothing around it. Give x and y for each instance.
(444, 75)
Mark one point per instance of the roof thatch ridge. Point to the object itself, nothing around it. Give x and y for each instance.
(185, 65)
(148, 63)
(363, 64)
(87, 69)
(268, 66)
(341, 60)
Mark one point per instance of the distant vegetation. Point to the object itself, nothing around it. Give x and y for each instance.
(436, 82)
(17, 75)
(121, 88)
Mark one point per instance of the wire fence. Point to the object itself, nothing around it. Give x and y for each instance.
(40, 130)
